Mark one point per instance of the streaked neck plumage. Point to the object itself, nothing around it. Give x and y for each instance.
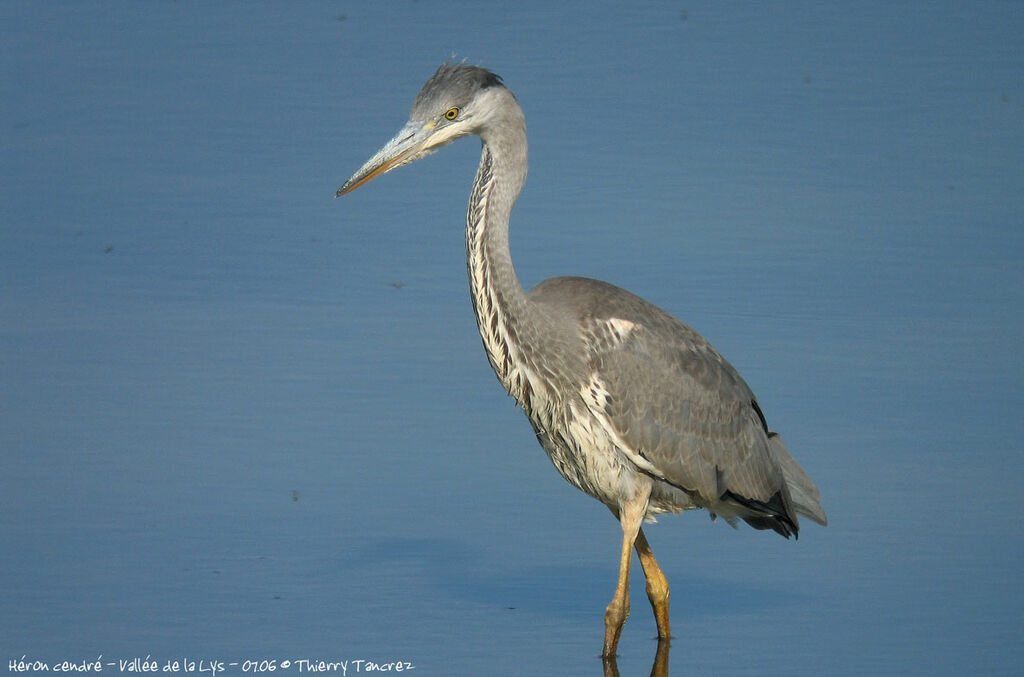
(498, 297)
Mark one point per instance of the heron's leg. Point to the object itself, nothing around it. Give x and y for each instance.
(657, 584)
(618, 610)
(630, 516)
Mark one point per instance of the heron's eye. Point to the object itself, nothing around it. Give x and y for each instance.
(451, 113)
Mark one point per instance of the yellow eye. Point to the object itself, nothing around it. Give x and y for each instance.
(451, 113)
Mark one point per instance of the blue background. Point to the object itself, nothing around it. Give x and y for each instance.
(240, 419)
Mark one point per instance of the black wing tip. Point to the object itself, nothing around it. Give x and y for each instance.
(780, 525)
(771, 514)
(760, 416)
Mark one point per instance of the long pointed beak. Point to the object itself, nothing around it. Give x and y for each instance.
(409, 144)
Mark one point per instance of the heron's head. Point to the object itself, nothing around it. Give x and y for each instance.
(456, 101)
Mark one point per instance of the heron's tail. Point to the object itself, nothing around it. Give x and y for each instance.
(802, 491)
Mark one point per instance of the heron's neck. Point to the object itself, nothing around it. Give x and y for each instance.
(498, 297)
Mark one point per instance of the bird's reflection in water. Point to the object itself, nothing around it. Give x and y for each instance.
(658, 669)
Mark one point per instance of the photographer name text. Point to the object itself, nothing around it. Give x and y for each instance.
(210, 667)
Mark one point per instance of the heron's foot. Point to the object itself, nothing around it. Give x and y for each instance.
(614, 618)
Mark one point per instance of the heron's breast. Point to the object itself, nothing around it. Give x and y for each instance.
(582, 451)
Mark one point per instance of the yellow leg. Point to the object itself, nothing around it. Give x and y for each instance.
(618, 611)
(630, 516)
(657, 585)
(660, 667)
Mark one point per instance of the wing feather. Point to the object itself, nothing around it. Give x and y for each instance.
(676, 402)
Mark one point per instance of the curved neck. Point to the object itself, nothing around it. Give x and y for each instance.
(498, 298)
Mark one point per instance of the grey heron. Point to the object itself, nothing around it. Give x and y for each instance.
(633, 406)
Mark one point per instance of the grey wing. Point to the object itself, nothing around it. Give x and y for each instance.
(678, 405)
(684, 415)
(678, 409)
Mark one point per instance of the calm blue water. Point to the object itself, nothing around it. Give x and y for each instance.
(241, 420)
